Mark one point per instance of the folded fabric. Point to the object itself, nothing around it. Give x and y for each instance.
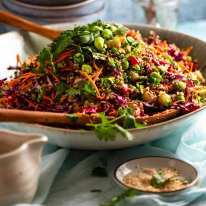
(75, 186)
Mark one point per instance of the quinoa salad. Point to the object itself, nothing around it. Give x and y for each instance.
(111, 72)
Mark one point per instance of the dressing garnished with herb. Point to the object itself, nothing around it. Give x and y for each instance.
(155, 180)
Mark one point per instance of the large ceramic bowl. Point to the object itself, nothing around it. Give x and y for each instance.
(25, 44)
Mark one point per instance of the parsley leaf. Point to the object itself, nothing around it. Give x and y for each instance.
(121, 197)
(108, 130)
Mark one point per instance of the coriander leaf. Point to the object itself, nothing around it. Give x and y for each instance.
(45, 57)
(73, 91)
(99, 172)
(121, 197)
(107, 82)
(78, 58)
(60, 89)
(158, 180)
(124, 132)
(108, 130)
(40, 94)
(105, 131)
(72, 117)
(129, 120)
(62, 42)
(88, 89)
(103, 118)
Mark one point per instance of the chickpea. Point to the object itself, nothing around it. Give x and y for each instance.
(202, 92)
(134, 76)
(149, 96)
(107, 34)
(164, 99)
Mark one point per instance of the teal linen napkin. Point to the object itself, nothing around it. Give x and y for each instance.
(75, 186)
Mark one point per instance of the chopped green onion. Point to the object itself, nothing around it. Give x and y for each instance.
(99, 43)
(155, 77)
(78, 58)
(107, 34)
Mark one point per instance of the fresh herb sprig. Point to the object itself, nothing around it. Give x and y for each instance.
(107, 129)
(121, 197)
(158, 180)
(129, 120)
(46, 57)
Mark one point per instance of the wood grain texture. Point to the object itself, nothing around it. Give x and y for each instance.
(52, 118)
(26, 25)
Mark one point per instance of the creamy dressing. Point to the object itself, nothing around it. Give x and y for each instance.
(155, 180)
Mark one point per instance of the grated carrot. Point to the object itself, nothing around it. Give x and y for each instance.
(18, 60)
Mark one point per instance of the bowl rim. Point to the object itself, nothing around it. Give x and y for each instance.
(52, 8)
(191, 184)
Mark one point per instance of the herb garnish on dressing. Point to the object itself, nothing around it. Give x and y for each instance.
(155, 180)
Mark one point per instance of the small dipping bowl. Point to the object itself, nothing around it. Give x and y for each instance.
(184, 169)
